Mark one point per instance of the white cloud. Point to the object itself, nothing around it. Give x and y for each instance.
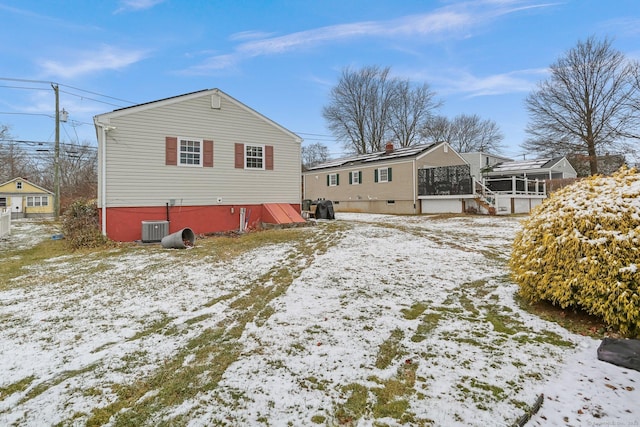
(104, 58)
(462, 82)
(135, 5)
(453, 21)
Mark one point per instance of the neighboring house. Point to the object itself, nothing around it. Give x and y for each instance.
(201, 160)
(25, 199)
(541, 169)
(481, 162)
(381, 182)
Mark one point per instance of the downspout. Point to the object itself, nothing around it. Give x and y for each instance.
(104, 180)
(414, 185)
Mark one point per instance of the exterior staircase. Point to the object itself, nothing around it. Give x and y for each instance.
(485, 198)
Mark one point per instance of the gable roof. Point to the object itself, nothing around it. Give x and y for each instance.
(28, 182)
(378, 156)
(101, 119)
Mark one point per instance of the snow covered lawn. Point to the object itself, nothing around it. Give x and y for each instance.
(390, 320)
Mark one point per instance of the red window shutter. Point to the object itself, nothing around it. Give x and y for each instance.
(207, 152)
(171, 151)
(239, 156)
(268, 155)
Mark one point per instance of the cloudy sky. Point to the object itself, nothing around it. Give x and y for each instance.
(283, 57)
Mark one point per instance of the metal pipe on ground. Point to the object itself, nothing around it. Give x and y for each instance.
(179, 240)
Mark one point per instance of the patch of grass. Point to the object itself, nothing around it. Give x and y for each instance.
(415, 311)
(16, 387)
(427, 324)
(154, 328)
(318, 419)
(214, 301)
(389, 349)
(392, 397)
(468, 305)
(546, 337)
(497, 392)
(198, 319)
(480, 288)
(14, 262)
(63, 376)
(355, 405)
(499, 323)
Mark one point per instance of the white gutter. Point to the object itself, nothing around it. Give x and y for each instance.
(103, 174)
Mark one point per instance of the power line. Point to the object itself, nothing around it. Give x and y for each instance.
(63, 85)
(41, 143)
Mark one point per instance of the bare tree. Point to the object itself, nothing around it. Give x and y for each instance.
(358, 108)
(412, 108)
(314, 154)
(367, 108)
(78, 172)
(587, 104)
(14, 159)
(465, 133)
(437, 129)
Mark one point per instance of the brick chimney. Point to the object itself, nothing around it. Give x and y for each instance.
(388, 148)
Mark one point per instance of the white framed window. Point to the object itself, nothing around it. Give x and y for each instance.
(37, 201)
(355, 178)
(333, 179)
(254, 156)
(189, 152)
(3, 202)
(383, 175)
(18, 185)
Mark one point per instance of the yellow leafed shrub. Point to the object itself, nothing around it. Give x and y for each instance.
(581, 249)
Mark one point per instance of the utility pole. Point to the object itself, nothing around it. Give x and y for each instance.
(56, 158)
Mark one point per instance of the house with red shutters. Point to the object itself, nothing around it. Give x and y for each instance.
(202, 160)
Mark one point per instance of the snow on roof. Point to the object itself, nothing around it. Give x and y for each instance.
(526, 164)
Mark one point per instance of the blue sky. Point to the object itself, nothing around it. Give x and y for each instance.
(283, 57)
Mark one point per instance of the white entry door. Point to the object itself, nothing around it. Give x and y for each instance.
(16, 204)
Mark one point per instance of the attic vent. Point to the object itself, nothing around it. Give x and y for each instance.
(215, 102)
(154, 231)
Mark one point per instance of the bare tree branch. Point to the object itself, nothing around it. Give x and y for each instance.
(587, 105)
(465, 133)
(367, 108)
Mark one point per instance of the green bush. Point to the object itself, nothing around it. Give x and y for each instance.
(580, 249)
(80, 225)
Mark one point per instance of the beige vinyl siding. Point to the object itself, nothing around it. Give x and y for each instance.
(441, 155)
(136, 174)
(370, 196)
(400, 187)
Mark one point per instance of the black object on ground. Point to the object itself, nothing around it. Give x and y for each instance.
(620, 352)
